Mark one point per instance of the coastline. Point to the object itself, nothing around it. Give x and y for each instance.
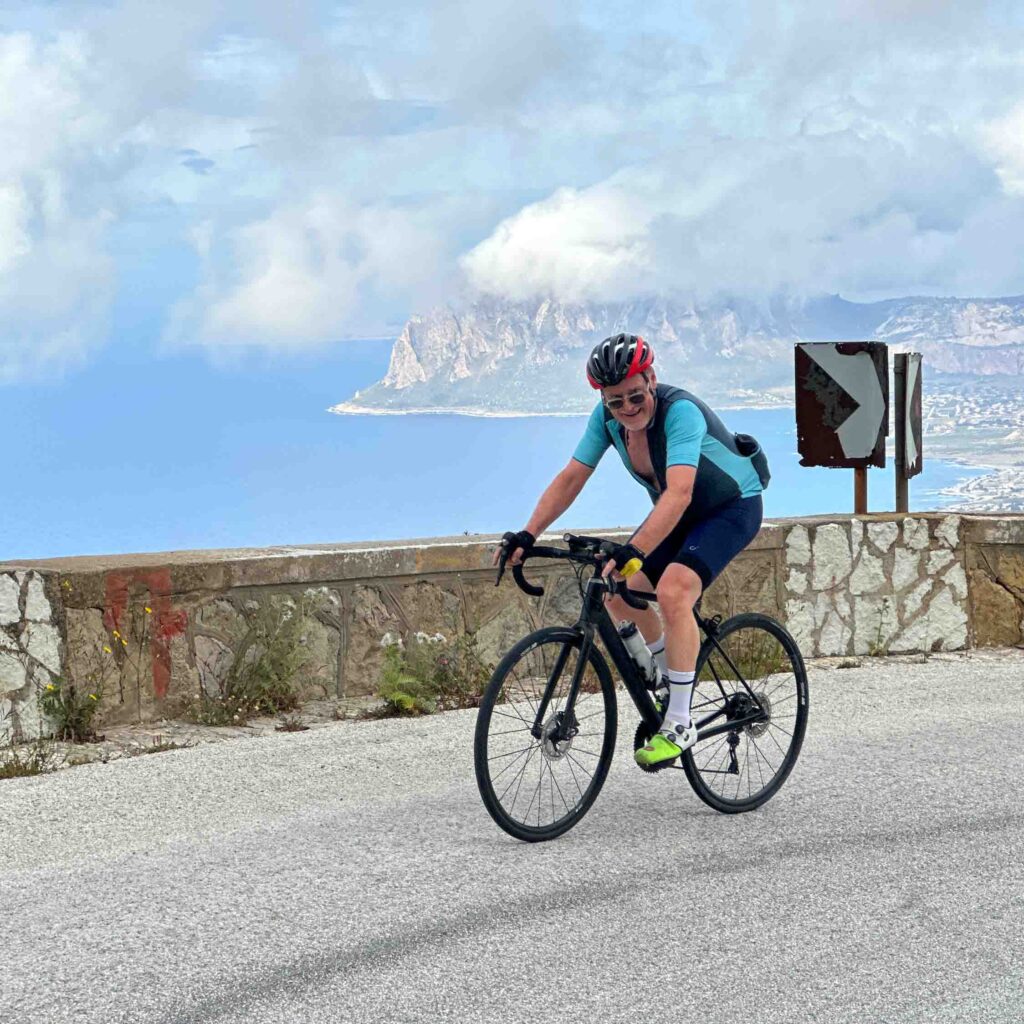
(349, 409)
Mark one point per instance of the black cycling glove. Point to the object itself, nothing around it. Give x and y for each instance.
(511, 542)
(628, 558)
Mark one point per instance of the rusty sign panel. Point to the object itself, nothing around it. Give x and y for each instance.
(913, 434)
(842, 403)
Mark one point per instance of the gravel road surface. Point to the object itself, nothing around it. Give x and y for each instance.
(350, 873)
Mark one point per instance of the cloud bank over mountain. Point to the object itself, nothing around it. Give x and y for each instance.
(332, 169)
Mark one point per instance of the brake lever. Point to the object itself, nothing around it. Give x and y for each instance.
(502, 559)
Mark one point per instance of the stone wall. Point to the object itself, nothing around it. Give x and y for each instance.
(31, 648)
(877, 585)
(151, 630)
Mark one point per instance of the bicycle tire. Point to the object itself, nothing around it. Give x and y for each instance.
(513, 688)
(774, 667)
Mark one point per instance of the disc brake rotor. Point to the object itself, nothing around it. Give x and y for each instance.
(551, 746)
(759, 728)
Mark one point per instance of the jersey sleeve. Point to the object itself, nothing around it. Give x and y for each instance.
(595, 440)
(684, 431)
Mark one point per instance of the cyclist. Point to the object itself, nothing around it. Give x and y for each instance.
(705, 483)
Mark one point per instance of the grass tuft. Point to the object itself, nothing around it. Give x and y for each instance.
(37, 757)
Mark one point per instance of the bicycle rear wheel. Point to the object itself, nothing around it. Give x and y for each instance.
(536, 789)
(740, 769)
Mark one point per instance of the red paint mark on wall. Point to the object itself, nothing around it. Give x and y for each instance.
(168, 622)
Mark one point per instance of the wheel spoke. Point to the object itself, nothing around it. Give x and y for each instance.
(510, 753)
(517, 714)
(519, 776)
(522, 689)
(711, 751)
(782, 749)
(511, 764)
(568, 762)
(529, 806)
(759, 753)
(582, 767)
(757, 762)
(562, 795)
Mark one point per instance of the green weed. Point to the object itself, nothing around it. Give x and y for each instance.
(430, 674)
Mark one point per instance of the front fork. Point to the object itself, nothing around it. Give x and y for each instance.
(568, 719)
(592, 613)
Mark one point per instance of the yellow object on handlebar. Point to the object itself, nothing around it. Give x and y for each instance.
(632, 566)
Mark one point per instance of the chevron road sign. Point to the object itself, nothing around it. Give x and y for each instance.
(909, 458)
(842, 403)
(908, 409)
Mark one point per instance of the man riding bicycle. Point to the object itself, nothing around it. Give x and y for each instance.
(705, 483)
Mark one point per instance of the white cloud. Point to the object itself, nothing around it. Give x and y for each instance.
(312, 271)
(834, 148)
(340, 168)
(859, 214)
(55, 279)
(1003, 137)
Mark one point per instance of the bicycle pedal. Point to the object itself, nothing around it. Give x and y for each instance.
(641, 737)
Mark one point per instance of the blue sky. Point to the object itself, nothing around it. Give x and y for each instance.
(277, 178)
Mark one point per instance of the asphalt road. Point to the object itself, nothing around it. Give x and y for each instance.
(351, 874)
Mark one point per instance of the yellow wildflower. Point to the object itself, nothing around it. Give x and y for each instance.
(92, 696)
(50, 686)
(107, 650)
(149, 611)
(116, 633)
(124, 643)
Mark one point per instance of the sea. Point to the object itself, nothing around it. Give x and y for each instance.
(136, 453)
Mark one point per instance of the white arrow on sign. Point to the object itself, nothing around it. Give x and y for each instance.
(857, 376)
(913, 369)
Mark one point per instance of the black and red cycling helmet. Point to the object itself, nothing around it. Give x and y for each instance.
(617, 358)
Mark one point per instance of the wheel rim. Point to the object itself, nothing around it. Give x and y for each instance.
(740, 765)
(538, 783)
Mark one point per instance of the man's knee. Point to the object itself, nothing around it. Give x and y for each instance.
(678, 591)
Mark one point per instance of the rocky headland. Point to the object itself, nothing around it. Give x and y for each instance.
(499, 358)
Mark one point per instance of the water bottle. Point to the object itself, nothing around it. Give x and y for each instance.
(638, 651)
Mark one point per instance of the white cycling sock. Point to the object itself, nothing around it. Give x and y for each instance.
(680, 692)
(657, 649)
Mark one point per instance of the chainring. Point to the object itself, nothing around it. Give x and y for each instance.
(641, 737)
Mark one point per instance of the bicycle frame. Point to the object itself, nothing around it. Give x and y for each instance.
(594, 618)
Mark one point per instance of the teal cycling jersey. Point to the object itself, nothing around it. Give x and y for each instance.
(684, 432)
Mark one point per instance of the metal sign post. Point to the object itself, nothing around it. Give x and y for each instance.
(909, 432)
(860, 490)
(842, 408)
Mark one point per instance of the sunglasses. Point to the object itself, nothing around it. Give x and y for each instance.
(636, 398)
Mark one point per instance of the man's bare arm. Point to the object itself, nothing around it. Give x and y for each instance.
(557, 497)
(673, 502)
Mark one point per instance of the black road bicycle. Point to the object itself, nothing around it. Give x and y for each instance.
(545, 731)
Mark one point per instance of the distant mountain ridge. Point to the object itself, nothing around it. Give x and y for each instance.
(512, 358)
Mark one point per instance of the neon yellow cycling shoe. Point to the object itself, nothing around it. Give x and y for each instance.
(666, 745)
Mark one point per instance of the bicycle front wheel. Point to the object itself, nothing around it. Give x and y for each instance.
(538, 788)
(739, 769)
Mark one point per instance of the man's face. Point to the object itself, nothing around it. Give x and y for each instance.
(632, 413)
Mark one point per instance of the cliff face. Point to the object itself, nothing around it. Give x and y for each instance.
(505, 357)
